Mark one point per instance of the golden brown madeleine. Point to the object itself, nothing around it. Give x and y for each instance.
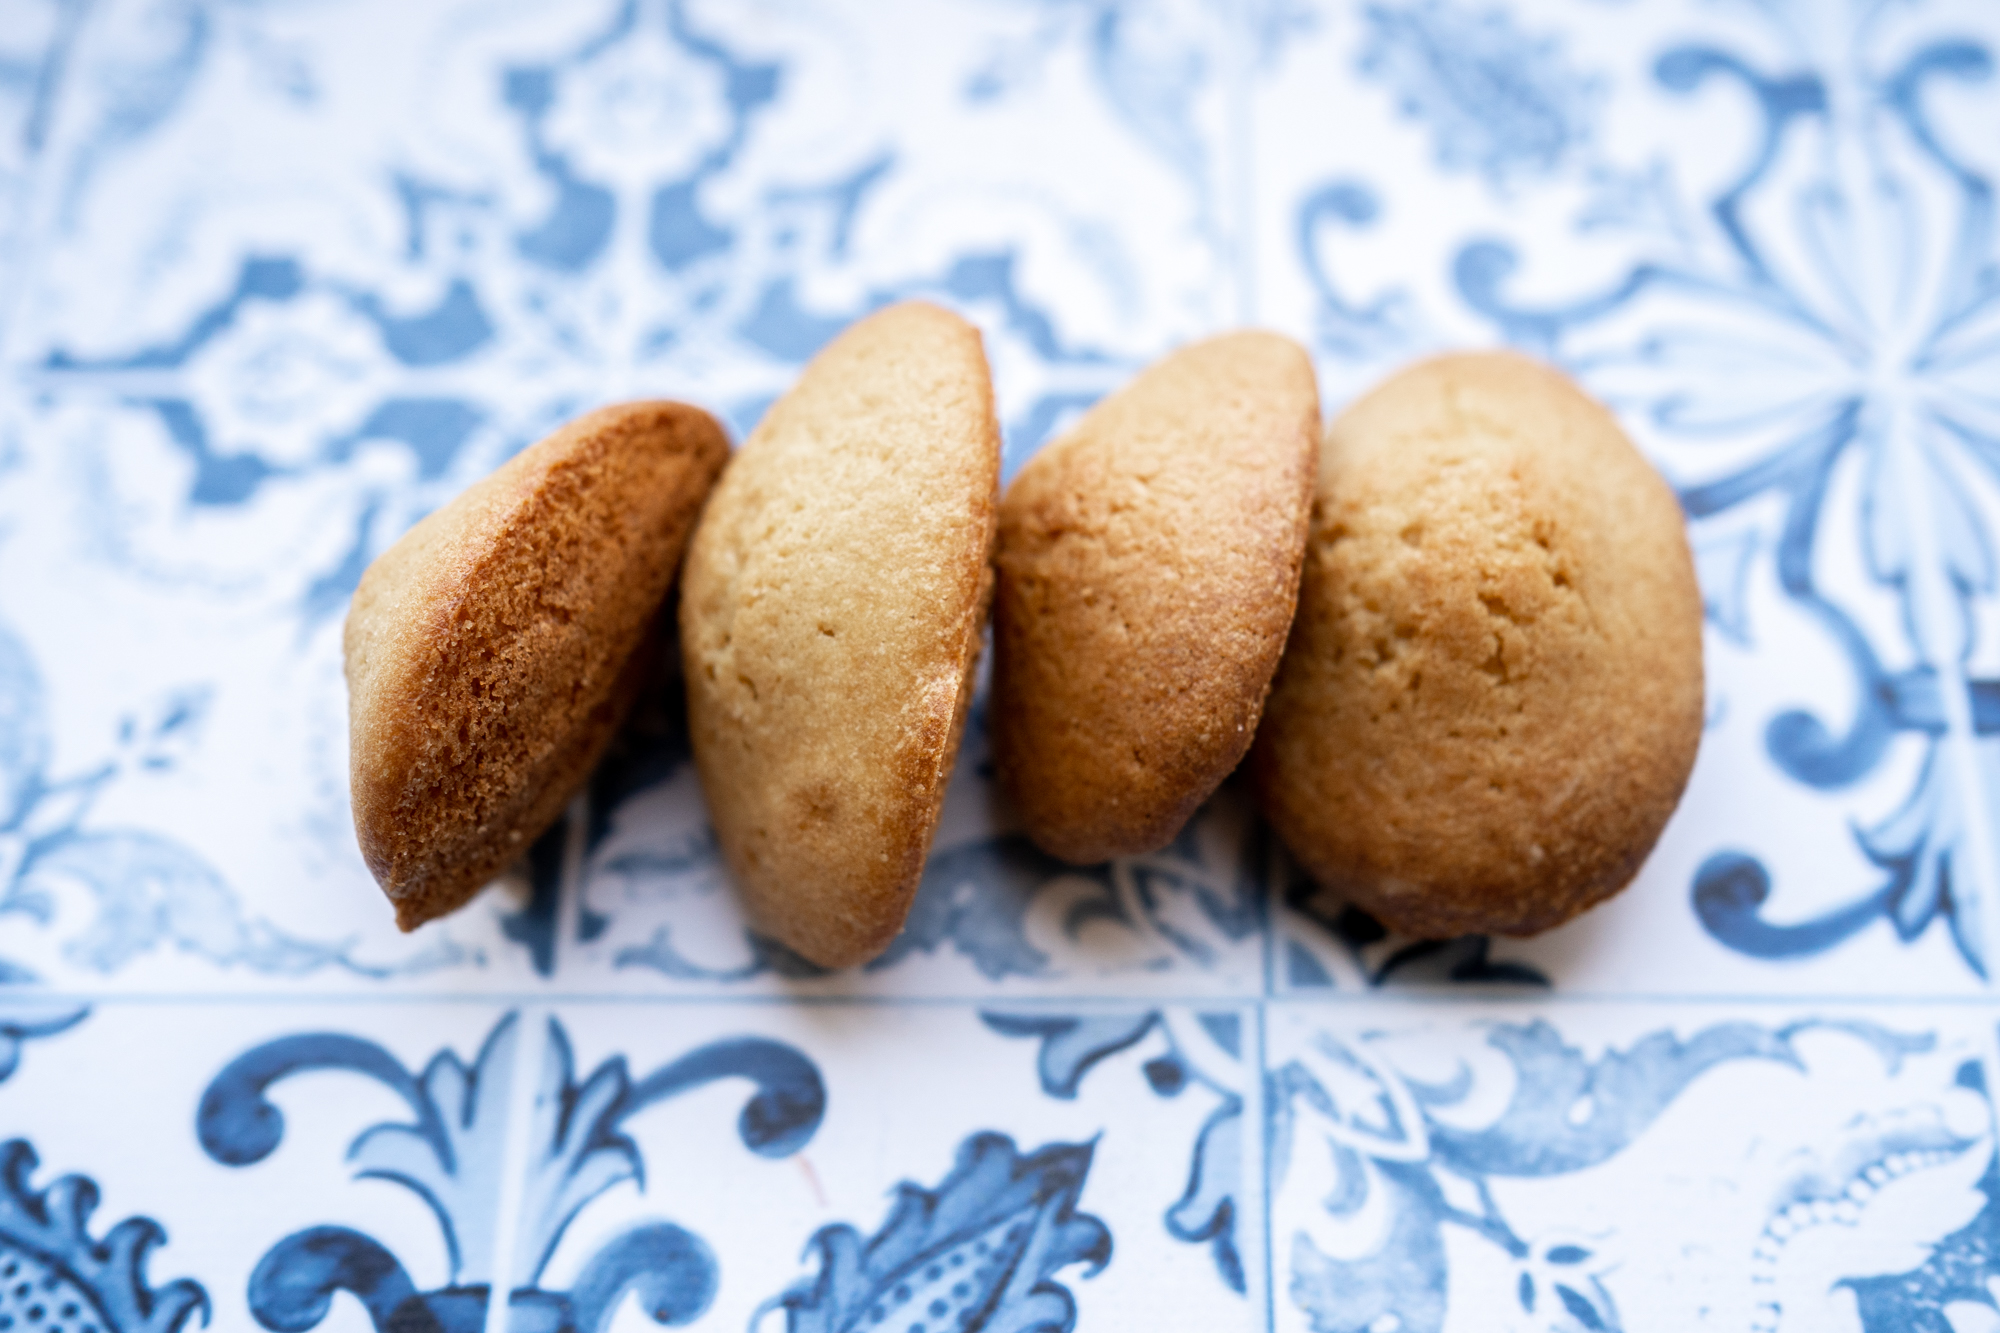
(492, 651)
(831, 614)
(1148, 569)
(1493, 692)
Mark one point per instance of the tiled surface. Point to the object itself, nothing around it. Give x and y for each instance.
(275, 280)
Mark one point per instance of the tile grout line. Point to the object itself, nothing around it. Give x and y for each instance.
(1241, 178)
(521, 1092)
(1262, 1088)
(1274, 903)
(569, 879)
(524, 1087)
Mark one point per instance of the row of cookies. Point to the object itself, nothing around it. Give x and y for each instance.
(1462, 632)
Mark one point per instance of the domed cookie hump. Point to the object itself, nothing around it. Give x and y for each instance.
(1148, 566)
(830, 621)
(493, 649)
(1492, 695)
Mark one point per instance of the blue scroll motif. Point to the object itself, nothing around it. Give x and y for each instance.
(1205, 1050)
(979, 1254)
(1346, 326)
(55, 1274)
(1830, 312)
(450, 1155)
(1353, 1133)
(28, 1017)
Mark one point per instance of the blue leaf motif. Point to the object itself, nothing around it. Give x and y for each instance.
(977, 1254)
(1559, 1283)
(454, 1158)
(1897, 493)
(450, 1155)
(49, 1255)
(1582, 1309)
(1920, 845)
(579, 1153)
(1204, 1049)
(583, 1153)
(1207, 1210)
(140, 85)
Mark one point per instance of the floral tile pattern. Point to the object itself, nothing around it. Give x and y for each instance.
(278, 279)
(1571, 1170)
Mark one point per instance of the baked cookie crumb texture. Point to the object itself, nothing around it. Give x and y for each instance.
(1148, 570)
(1492, 696)
(831, 614)
(492, 651)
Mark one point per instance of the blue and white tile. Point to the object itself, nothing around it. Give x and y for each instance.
(1812, 367)
(365, 275)
(1389, 137)
(185, 1163)
(146, 838)
(1839, 480)
(831, 1175)
(1615, 1167)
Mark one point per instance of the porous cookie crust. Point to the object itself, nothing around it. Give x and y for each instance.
(1148, 568)
(1493, 692)
(831, 614)
(492, 650)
